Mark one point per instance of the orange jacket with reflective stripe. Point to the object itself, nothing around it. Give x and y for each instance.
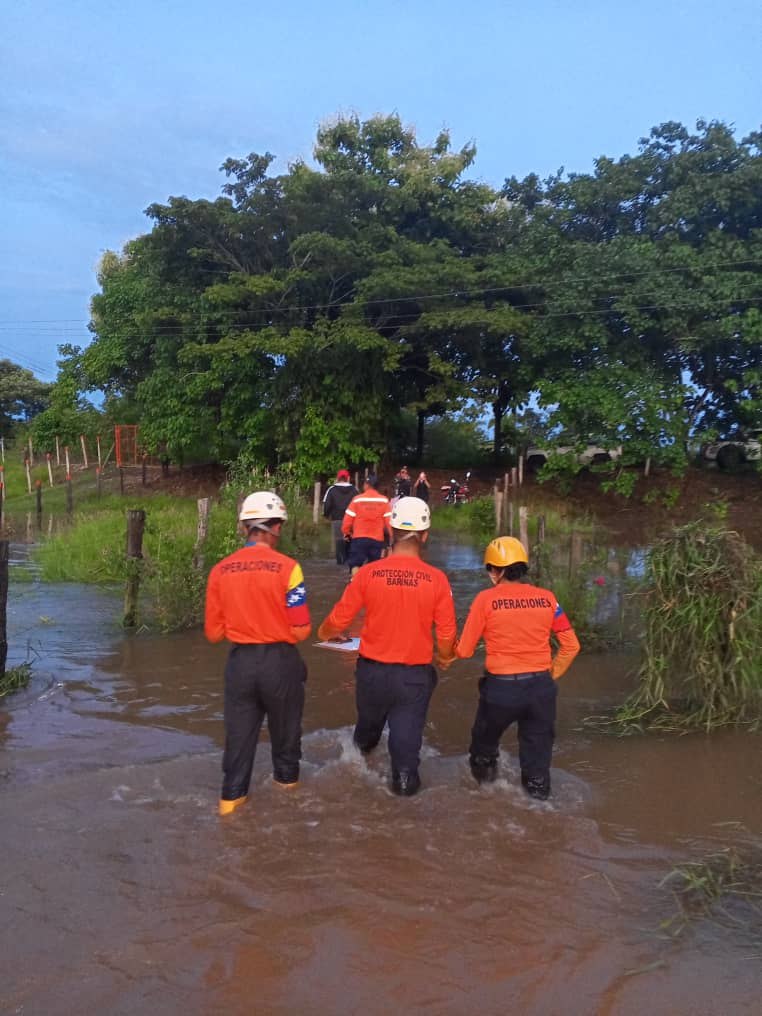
(516, 620)
(404, 598)
(367, 515)
(255, 595)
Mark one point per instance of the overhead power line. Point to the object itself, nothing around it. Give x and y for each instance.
(454, 293)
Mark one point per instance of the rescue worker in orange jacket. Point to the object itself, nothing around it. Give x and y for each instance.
(256, 599)
(366, 522)
(404, 598)
(516, 621)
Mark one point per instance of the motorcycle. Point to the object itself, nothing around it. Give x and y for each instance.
(455, 492)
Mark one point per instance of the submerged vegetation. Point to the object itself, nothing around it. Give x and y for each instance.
(723, 887)
(15, 678)
(702, 664)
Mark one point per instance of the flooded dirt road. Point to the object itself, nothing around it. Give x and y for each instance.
(122, 892)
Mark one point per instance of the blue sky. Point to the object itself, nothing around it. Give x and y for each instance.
(106, 107)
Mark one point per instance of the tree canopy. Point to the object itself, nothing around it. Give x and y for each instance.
(306, 315)
(22, 395)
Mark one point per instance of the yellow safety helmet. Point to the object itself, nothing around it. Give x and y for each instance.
(505, 551)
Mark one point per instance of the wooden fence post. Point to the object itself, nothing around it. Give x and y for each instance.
(316, 503)
(538, 558)
(3, 605)
(521, 470)
(68, 464)
(58, 451)
(28, 474)
(98, 449)
(201, 532)
(84, 449)
(524, 527)
(50, 468)
(2, 449)
(499, 495)
(575, 552)
(31, 452)
(136, 520)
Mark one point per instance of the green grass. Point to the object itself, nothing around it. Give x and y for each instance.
(92, 548)
(15, 678)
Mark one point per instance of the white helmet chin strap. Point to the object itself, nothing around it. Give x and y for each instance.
(259, 524)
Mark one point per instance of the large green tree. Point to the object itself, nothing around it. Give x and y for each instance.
(22, 395)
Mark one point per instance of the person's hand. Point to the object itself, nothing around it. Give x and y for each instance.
(444, 662)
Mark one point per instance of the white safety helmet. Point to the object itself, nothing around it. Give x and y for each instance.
(412, 514)
(260, 507)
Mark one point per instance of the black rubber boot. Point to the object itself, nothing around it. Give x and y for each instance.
(483, 769)
(406, 783)
(536, 786)
(366, 747)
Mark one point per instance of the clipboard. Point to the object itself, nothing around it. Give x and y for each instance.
(342, 644)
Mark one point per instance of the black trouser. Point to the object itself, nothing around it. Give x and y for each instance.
(363, 550)
(338, 540)
(262, 680)
(398, 694)
(531, 702)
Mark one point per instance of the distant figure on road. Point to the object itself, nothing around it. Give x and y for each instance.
(335, 503)
(422, 487)
(402, 483)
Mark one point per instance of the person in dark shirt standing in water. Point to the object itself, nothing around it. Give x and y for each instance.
(335, 503)
(516, 621)
(256, 599)
(404, 598)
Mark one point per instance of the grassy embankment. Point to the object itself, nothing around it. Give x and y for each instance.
(92, 548)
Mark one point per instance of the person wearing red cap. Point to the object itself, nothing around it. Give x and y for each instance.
(335, 503)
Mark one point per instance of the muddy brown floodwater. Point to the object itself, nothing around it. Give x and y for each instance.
(122, 892)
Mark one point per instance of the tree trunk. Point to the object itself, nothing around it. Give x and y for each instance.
(419, 437)
(498, 435)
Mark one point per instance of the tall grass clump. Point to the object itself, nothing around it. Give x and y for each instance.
(724, 888)
(703, 634)
(244, 476)
(477, 518)
(15, 678)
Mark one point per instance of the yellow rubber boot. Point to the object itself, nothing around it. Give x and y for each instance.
(228, 807)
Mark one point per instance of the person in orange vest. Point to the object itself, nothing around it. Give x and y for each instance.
(366, 523)
(404, 598)
(516, 621)
(256, 599)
